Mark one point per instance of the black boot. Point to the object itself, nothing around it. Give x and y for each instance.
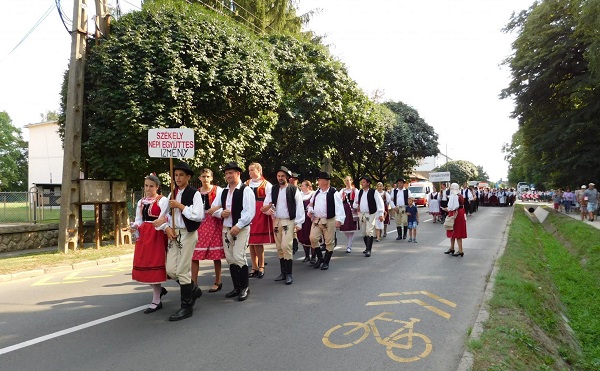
(281, 277)
(313, 257)
(369, 246)
(319, 258)
(405, 232)
(244, 283)
(234, 270)
(288, 271)
(294, 246)
(196, 293)
(399, 229)
(187, 308)
(326, 260)
(366, 239)
(306, 254)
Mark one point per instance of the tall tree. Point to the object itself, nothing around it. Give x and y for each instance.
(460, 171)
(13, 156)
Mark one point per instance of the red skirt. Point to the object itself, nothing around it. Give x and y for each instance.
(210, 240)
(460, 225)
(350, 224)
(261, 230)
(149, 256)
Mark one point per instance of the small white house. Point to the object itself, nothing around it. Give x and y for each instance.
(45, 154)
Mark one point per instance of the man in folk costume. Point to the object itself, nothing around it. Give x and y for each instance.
(236, 205)
(327, 213)
(468, 196)
(370, 207)
(399, 202)
(443, 197)
(285, 203)
(188, 212)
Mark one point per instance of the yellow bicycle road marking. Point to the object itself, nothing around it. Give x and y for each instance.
(426, 293)
(44, 282)
(413, 301)
(72, 277)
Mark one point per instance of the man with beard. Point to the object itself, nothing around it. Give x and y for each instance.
(285, 203)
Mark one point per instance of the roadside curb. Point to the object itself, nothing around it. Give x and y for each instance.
(65, 268)
(466, 361)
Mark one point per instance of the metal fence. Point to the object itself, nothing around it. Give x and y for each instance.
(44, 207)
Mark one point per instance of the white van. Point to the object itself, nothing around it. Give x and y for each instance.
(420, 192)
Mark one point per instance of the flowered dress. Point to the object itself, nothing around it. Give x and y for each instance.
(210, 242)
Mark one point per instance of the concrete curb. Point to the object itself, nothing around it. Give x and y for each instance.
(65, 268)
(466, 362)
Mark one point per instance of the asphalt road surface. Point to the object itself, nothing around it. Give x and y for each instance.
(408, 306)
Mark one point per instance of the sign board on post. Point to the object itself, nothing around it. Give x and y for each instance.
(171, 143)
(439, 177)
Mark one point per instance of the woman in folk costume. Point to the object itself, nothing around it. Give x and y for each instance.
(434, 205)
(307, 192)
(261, 232)
(210, 241)
(149, 255)
(456, 206)
(348, 194)
(381, 225)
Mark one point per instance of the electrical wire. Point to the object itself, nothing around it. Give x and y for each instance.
(39, 21)
(63, 17)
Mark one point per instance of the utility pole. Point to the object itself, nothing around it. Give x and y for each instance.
(70, 211)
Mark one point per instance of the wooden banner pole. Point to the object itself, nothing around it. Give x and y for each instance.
(172, 192)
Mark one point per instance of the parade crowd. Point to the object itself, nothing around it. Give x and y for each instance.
(214, 223)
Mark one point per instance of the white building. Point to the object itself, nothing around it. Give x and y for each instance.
(45, 154)
(431, 162)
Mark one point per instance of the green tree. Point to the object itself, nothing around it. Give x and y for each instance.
(482, 174)
(460, 171)
(168, 66)
(13, 156)
(556, 96)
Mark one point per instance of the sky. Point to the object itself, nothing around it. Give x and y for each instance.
(442, 57)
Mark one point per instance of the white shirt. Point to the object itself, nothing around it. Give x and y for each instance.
(400, 198)
(318, 206)
(256, 183)
(163, 203)
(281, 210)
(195, 212)
(248, 206)
(363, 207)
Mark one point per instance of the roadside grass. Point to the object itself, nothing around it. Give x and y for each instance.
(544, 313)
(48, 259)
(20, 212)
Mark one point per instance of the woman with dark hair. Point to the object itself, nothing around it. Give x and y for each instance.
(149, 255)
(210, 241)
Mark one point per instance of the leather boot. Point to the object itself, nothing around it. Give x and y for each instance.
(369, 246)
(288, 271)
(326, 260)
(281, 277)
(234, 270)
(366, 239)
(319, 258)
(405, 232)
(399, 229)
(196, 293)
(313, 257)
(244, 281)
(306, 254)
(187, 308)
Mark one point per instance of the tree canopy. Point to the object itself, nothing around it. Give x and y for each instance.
(556, 94)
(13, 156)
(460, 171)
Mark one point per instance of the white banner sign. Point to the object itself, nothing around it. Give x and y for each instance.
(171, 143)
(439, 177)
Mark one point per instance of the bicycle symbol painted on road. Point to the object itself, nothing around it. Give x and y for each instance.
(402, 345)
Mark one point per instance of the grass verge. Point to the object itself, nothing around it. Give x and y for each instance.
(544, 313)
(41, 260)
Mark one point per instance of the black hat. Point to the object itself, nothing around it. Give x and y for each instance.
(324, 175)
(295, 175)
(400, 180)
(184, 167)
(366, 178)
(285, 170)
(233, 166)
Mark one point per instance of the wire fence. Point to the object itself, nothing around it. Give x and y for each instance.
(44, 207)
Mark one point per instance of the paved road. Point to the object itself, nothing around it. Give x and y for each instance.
(92, 319)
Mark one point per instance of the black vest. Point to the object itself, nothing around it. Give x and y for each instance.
(405, 192)
(237, 202)
(370, 200)
(187, 198)
(290, 195)
(330, 202)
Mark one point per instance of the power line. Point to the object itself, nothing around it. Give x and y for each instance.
(42, 18)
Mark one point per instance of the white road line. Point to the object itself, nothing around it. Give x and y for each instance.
(69, 330)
